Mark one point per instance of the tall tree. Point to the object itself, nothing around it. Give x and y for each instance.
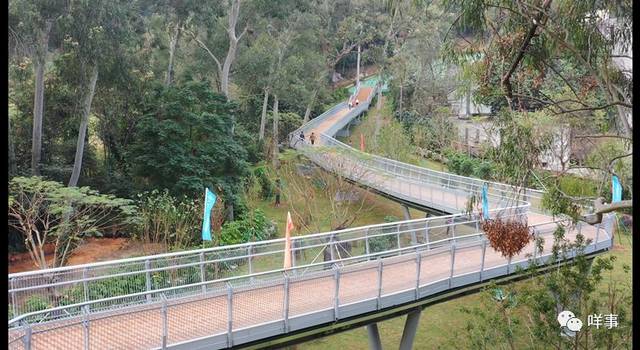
(33, 22)
(209, 44)
(95, 31)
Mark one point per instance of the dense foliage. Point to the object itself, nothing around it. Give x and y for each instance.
(185, 143)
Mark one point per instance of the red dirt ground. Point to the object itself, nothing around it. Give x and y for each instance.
(92, 250)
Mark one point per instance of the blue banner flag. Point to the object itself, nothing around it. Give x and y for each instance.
(616, 190)
(485, 202)
(209, 201)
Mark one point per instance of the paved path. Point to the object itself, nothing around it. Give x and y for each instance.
(206, 315)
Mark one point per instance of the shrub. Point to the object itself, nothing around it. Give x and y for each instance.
(484, 170)
(167, 219)
(36, 303)
(252, 227)
(266, 185)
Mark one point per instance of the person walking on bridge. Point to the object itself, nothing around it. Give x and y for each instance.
(312, 138)
(302, 136)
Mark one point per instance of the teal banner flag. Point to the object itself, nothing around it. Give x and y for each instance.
(616, 190)
(209, 201)
(485, 203)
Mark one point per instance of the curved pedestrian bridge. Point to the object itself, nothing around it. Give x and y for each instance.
(239, 295)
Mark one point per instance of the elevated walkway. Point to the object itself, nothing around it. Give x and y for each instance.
(239, 295)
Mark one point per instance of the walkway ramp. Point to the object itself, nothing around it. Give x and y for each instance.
(237, 295)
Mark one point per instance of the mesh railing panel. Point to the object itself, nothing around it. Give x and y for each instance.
(467, 260)
(197, 318)
(140, 329)
(62, 336)
(311, 294)
(431, 266)
(245, 312)
(15, 339)
(399, 275)
(358, 285)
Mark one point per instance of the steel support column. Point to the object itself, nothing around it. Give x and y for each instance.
(374, 337)
(407, 216)
(410, 328)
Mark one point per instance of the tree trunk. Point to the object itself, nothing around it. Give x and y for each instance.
(38, 108)
(401, 98)
(38, 99)
(12, 152)
(82, 133)
(275, 131)
(263, 117)
(307, 113)
(358, 69)
(233, 46)
(378, 118)
(172, 50)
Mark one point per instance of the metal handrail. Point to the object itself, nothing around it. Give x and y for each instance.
(411, 248)
(334, 239)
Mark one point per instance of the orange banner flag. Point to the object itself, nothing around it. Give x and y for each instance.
(287, 242)
(362, 142)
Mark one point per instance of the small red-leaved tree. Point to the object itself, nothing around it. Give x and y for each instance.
(508, 237)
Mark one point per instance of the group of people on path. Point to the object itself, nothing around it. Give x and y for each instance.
(312, 138)
(351, 102)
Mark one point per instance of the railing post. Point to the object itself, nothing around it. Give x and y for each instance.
(453, 260)
(509, 265)
(367, 249)
(336, 305)
(332, 246)
(426, 234)
(229, 315)
(85, 326)
(379, 283)
(418, 267)
(147, 266)
(26, 339)
(13, 296)
(293, 252)
(203, 276)
(477, 223)
(455, 194)
(165, 323)
(579, 227)
(398, 238)
(535, 246)
(453, 230)
(286, 302)
(484, 251)
(85, 285)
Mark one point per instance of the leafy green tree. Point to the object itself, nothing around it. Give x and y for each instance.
(582, 286)
(95, 30)
(47, 212)
(184, 144)
(30, 27)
